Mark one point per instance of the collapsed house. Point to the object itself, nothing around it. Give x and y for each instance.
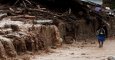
(35, 27)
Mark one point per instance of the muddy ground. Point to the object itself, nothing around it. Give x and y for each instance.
(81, 51)
(76, 30)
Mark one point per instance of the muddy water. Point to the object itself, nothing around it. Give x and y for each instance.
(2, 51)
(80, 51)
(9, 47)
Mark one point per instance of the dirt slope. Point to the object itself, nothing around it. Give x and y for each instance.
(81, 51)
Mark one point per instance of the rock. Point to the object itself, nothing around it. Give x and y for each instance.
(72, 53)
(111, 58)
(83, 54)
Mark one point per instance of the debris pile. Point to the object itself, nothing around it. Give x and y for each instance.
(17, 37)
(24, 29)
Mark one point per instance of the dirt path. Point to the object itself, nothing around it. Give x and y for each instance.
(81, 51)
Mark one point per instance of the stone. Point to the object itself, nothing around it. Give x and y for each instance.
(83, 54)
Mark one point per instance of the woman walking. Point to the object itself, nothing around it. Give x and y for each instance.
(101, 36)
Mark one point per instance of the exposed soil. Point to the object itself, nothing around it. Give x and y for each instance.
(81, 51)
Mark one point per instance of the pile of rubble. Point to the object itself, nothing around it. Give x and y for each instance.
(25, 29)
(19, 34)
